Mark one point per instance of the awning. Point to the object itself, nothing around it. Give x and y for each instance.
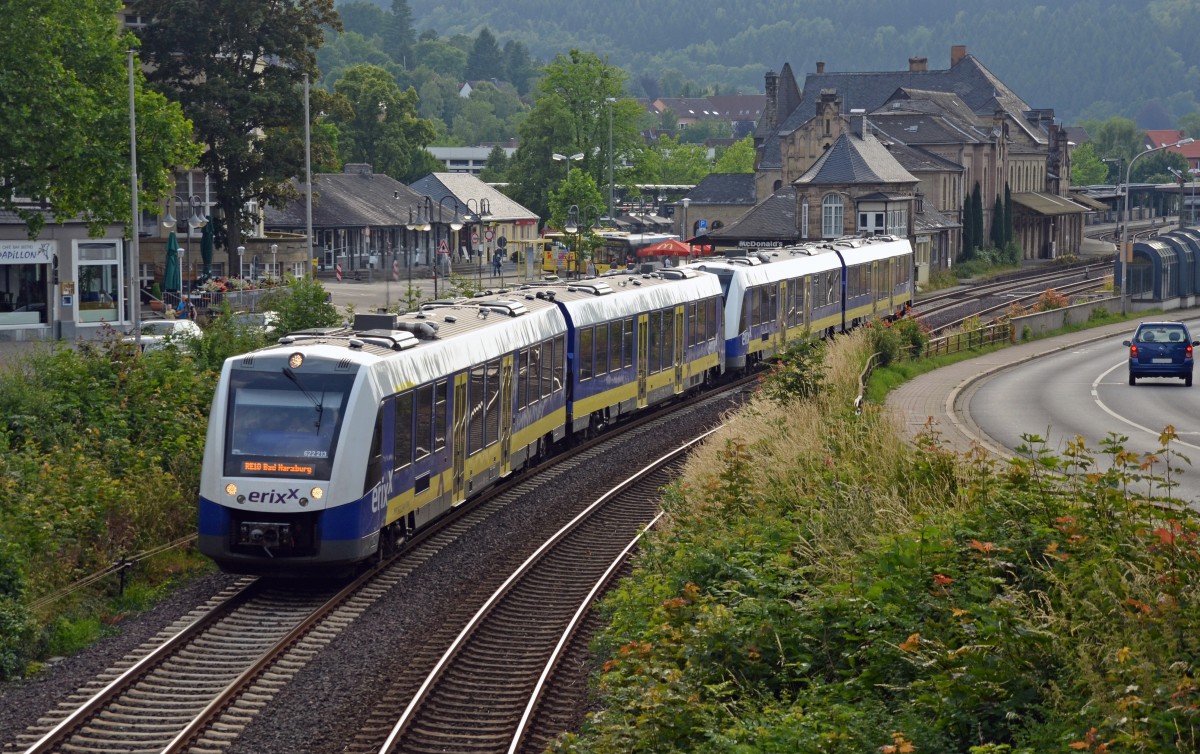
(1088, 201)
(1048, 204)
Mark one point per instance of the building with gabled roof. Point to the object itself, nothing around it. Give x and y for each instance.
(500, 222)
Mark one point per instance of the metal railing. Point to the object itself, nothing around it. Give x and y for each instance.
(966, 340)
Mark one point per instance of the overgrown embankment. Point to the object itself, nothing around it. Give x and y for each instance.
(824, 584)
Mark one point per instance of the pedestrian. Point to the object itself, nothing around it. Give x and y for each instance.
(497, 265)
(445, 265)
(591, 269)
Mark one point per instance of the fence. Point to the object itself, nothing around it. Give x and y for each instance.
(964, 341)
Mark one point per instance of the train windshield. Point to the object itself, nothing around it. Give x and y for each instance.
(284, 424)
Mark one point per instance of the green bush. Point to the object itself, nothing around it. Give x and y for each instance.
(797, 373)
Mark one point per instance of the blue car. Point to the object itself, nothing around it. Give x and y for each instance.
(1161, 349)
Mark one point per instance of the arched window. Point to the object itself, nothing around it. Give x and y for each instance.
(833, 220)
(778, 185)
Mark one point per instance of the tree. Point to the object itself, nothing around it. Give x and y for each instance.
(237, 68)
(1118, 138)
(519, 67)
(1086, 167)
(569, 116)
(383, 128)
(64, 114)
(976, 217)
(672, 162)
(485, 61)
(1156, 167)
(362, 17)
(496, 169)
(968, 229)
(736, 158)
(1189, 124)
(400, 38)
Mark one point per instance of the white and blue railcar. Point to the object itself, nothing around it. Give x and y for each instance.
(773, 299)
(637, 340)
(336, 442)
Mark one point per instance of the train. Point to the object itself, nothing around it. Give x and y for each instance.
(333, 446)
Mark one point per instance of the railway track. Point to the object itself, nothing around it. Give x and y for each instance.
(202, 681)
(489, 692)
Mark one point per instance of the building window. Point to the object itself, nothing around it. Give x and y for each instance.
(804, 218)
(832, 216)
(99, 278)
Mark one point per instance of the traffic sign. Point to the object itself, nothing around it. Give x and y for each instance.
(489, 234)
(443, 247)
(502, 242)
(474, 237)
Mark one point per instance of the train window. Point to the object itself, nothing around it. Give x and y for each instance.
(546, 368)
(744, 320)
(404, 429)
(423, 436)
(690, 327)
(773, 302)
(491, 417)
(668, 357)
(614, 345)
(627, 338)
(522, 370)
(560, 354)
(535, 373)
(601, 349)
(375, 458)
(439, 416)
(712, 319)
(584, 357)
(655, 337)
(475, 409)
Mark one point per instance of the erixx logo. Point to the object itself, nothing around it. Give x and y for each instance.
(274, 497)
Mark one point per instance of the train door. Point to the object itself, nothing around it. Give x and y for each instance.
(804, 301)
(459, 436)
(506, 414)
(643, 357)
(778, 315)
(680, 342)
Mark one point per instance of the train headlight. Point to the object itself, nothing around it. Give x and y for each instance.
(295, 360)
(231, 489)
(317, 493)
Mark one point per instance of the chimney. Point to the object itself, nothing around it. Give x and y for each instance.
(858, 118)
(957, 53)
(918, 64)
(771, 107)
(820, 66)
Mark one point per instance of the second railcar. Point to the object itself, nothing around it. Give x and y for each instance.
(772, 299)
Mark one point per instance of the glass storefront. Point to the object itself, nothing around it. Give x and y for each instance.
(24, 267)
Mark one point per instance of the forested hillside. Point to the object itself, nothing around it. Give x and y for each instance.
(1085, 58)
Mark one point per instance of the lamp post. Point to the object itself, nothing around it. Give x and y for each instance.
(610, 101)
(1124, 253)
(421, 223)
(477, 209)
(455, 226)
(195, 222)
(275, 261)
(577, 156)
(241, 250)
(683, 227)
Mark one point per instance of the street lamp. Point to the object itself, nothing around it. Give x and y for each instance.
(683, 227)
(195, 222)
(420, 223)
(241, 253)
(274, 261)
(1124, 253)
(455, 225)
(576, 156)
(477, 209)
(610, 101)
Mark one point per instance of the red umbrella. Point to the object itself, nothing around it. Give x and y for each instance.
(673, 248)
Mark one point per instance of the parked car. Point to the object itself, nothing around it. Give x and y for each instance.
(1161, 349)
(261, 321)
(158, 333)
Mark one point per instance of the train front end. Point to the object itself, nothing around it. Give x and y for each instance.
(282, 485)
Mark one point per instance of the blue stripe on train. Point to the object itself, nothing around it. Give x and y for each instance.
(345, 522)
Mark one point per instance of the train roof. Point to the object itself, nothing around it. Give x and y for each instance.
(804, 259)
(441, 338)
(625, 294)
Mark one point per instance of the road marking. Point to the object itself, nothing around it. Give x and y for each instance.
(1118, 417)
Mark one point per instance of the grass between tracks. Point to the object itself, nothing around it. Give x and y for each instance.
(824, 584)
